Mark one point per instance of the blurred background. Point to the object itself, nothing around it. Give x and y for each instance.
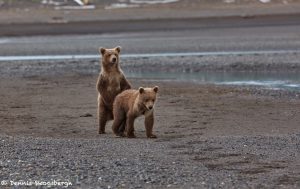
(203, 40)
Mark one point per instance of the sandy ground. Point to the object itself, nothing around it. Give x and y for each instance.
(60, 107)
(57, 107)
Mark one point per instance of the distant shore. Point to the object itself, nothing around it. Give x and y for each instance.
(35, 13)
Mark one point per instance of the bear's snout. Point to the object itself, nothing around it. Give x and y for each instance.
(150, 107)
(113, 59)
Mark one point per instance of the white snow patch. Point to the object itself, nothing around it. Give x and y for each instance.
(79, 2)
(152, 1)
(265, 1)
(137, 3)
(120, 6)
(285, 2)
(229, 1)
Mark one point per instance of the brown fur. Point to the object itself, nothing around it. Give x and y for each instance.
(111, 82)
(131, 104)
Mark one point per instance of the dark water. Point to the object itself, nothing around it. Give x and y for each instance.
(275, 81)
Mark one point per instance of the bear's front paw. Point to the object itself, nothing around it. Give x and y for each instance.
(102, 132)
(152, 136)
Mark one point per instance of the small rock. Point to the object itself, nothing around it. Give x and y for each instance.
(86, 115)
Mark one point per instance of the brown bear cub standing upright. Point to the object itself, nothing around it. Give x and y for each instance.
(111, 82)
(131, 104)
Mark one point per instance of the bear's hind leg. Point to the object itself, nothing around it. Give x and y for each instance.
(102, 117)
(130, 126)
(122, 127)
(118, 124)
(102, 122)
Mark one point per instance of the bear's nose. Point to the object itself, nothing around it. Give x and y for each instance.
(114, 59)
(150, 107)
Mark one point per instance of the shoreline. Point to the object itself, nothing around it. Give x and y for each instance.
(279, 63)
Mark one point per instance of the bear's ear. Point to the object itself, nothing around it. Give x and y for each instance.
(141, 90)
(155, 89)
(118, 49)
(102, 50)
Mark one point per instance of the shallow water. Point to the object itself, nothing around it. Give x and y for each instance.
(146, 55)
(274, 81)
(289, 81)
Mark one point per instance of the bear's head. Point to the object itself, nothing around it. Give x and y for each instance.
(110, 57)
(147, 97)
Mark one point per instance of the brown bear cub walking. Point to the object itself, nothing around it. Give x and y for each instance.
(131, 104)
(111, 82)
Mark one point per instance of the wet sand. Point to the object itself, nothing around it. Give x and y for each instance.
(58, 107)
